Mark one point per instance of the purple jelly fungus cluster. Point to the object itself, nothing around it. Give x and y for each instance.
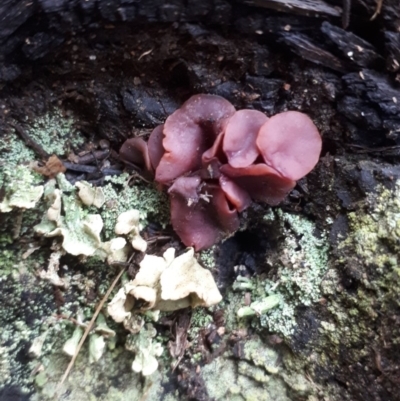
(215, 160)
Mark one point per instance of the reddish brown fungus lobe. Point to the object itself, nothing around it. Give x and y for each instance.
(214, 160)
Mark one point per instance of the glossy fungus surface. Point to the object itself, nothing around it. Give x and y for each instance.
(215, 160)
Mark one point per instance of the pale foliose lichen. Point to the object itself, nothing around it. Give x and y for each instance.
(162, 284)
(82, 231)
(146, 350)
(71, 345)
(165, 283)
(51, 273)
(21, 189)
(32, 320)
(99, 333)
(260, 307)
(128, 223)
(89, 195)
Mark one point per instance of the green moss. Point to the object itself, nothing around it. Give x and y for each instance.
(201, 318)
(207, 258)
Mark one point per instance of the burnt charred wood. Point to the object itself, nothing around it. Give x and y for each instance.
(346, 13)
(280, 24)
(354, 48)
(359, 112)
(229, 90)
(393, 47)
(56, 19)
(377, 89)
(9, 72)
(40, 44)
(303, 7)
(305, 48)
(264, 92)
(148, 108)
(390, 13)
(82, 168)
(377, 92)
(15, 13)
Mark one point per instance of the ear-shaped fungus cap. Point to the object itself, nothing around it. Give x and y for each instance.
(156, 150)
(290, 143)
(135, 151)
(261, 182)
(189, 132)
(240, 137)
(200, 222)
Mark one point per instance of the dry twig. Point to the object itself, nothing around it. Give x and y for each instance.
(378, 9)
(89, 327)
(30, 142)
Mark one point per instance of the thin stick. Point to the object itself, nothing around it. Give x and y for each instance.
(30, 142)
(89, 327)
